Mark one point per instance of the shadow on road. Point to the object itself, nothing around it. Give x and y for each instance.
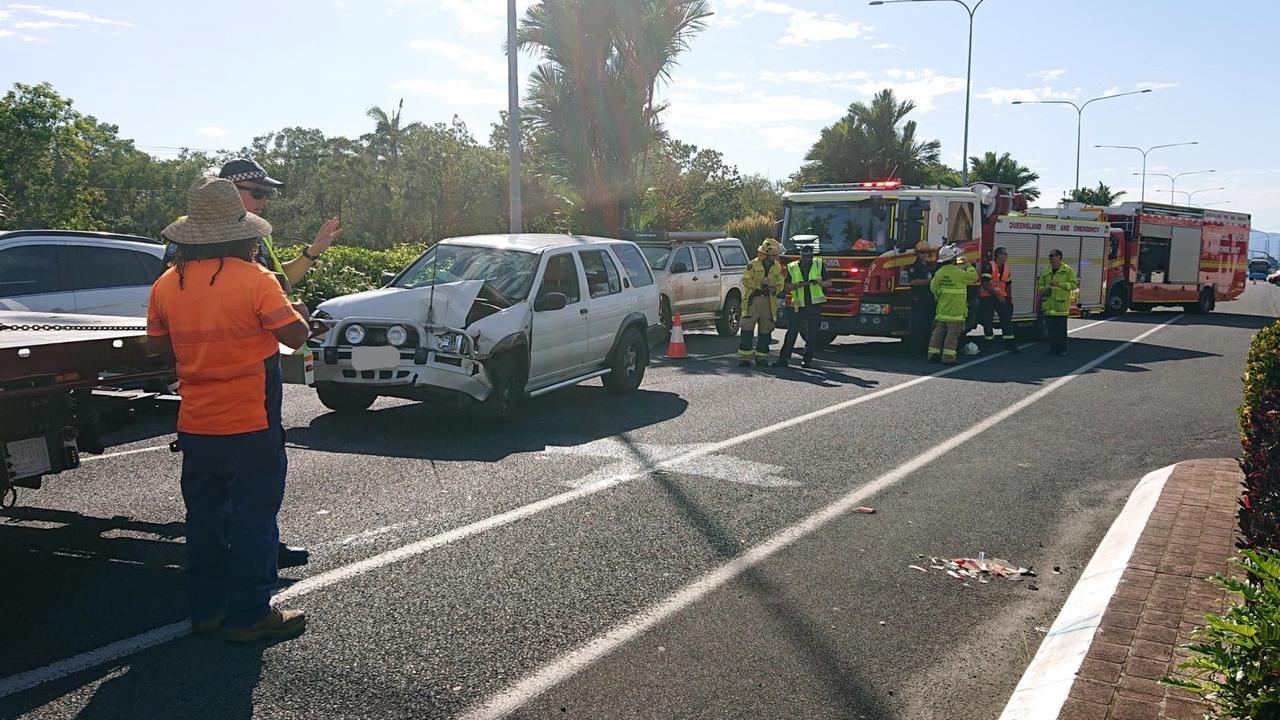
(573, 416)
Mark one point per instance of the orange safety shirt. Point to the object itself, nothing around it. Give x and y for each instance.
(221, 334)
(1000, 278)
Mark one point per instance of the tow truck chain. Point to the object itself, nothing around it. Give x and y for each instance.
(104, 328)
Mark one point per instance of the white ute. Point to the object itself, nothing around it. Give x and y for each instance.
(486, 321)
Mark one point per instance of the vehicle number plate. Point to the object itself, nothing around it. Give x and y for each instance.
(374, 358)
(824, 326)
(28, 457)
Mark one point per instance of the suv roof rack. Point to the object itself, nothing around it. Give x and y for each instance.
(668, 237)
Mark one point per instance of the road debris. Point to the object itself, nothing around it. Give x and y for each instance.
(865, 510)
(978, 569)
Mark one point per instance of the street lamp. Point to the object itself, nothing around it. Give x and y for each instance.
(1144, 158)
(1195, 192)
(1173, 180)
(1217, 202)
(1079, 116)
(968, 75)
(513, 119)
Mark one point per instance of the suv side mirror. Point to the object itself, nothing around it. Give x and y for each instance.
(679, 268)
(387, 278)
(551, 301)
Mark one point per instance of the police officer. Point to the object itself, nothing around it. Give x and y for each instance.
(806, 280)
(1055, 283)
(761, 284)
(995, 298)
(918, 277)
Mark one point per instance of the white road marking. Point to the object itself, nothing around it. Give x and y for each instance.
(633, 458)
(368, 536)
(1045, 685)
(92, 658)
(571, 663)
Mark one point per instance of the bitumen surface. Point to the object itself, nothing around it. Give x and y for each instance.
(683, 552)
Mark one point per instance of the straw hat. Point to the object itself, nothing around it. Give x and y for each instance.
(215, 214)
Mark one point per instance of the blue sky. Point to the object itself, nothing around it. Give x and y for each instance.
(758, 84)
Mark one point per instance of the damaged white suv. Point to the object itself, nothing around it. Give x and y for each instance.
(486, 321)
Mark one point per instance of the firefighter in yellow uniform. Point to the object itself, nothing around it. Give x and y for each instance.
(950, 287)
(761, 284)
(1055, 283)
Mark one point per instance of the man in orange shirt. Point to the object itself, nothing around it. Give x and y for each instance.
(222, 316)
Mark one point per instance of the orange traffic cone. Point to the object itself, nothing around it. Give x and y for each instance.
(675, 348)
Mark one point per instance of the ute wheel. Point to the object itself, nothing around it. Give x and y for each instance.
(730, 321)
(345, 400)
(1117, 300)
(626, 369)
(1203, 305)
(664, 313)
(507, 375)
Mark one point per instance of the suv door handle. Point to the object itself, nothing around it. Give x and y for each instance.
(695, 277)
(715, 277)
(583, 311)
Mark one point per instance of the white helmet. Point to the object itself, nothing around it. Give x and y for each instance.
(948, 253)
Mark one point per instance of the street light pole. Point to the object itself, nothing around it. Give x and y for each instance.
(1079, 116)
(1173, 180)
(1144, 158)
(513, 119)
(968, 76)
(1197, 192)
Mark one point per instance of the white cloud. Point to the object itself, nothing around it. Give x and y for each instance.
(481, 16)
(5, 14)
(40, 25)
(5, 33)
(886, 46)
(68, 15)
(789, 138)
(1045, 76)
(492, 67)
(729, 87)
(922, 87)
(804, 27)
(1157, 85)
(214, 131)
(455, 92)
(1004, 96)
(815, 77)
(758, 110)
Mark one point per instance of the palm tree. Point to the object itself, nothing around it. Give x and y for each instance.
(1005, 170)
(1101, 196)
(872, 142)
(592, 100)
(388, 136)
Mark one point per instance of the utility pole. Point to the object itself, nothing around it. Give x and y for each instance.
(513, 118)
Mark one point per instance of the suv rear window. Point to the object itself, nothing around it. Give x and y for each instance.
(731, 255)
(90, 268)
(633, 262)
(28, 270)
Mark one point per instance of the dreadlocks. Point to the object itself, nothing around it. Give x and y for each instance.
(246, 250)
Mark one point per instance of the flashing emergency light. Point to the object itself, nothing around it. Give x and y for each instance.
(882, 185)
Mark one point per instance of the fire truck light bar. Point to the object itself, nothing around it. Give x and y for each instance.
(883, 184)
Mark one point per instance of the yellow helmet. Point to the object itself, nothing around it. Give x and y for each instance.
(770, 247)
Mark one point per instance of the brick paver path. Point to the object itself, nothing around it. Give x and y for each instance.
(1161, 598)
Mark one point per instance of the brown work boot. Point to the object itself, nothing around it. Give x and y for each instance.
(277, 625)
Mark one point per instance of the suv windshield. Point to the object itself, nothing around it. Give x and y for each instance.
(656, 255)
(510, 272)
(852, 227)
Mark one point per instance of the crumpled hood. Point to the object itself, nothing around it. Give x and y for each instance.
(450, 306)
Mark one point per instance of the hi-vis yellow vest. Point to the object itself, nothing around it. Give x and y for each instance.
(815, 283)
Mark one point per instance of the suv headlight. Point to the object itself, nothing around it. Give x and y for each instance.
(354, 334)
(451, 342)
(398, 335)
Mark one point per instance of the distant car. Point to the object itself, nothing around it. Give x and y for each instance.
(483, 322)
(1274, 278)
(86, 273)
(699, 278)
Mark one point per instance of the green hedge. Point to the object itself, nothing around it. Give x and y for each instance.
(751, 230)
(1261, 370)
(344, 270)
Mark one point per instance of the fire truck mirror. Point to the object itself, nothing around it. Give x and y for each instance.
(1115, 248)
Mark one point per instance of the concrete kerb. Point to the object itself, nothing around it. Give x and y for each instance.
(1044, 687)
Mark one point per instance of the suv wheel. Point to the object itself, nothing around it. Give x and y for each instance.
(506, 373)
(344, 400)
(626, 370)
(730, 321)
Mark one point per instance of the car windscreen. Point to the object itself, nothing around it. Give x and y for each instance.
(510, 272)
(656, 255)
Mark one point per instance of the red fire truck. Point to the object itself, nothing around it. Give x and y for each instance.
(1173, 255)
(865, 234)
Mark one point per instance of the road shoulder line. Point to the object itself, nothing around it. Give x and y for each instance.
(1044, 686)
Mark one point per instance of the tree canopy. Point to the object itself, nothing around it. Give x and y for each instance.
(1004, 169)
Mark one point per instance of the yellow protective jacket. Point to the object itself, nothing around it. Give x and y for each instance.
(814, 281)
(753, 282)
(1056, 301)
(950, 288)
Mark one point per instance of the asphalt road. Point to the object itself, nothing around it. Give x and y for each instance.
(685, 552)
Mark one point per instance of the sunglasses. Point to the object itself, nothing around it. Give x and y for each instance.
(256, 193)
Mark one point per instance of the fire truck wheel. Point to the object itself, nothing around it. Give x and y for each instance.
(1204, 305)
(1117, 300)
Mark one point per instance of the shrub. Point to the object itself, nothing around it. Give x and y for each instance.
(1259, 513)
(343, 270)
(1236, 666)
(1261, 369)
(751, 230)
